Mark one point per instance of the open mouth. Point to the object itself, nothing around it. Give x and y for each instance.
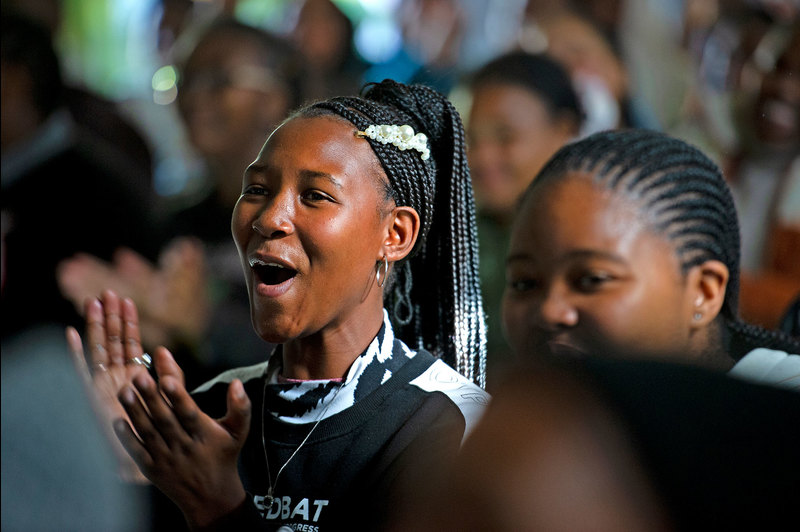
(564, 351)
(273, 274)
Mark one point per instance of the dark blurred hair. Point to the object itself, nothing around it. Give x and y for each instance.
(435, 302)
(275, 53)
(28, 44)
(540, 74)
(684, 198)
(336, 15)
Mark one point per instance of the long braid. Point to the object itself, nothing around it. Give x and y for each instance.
(435, 300)
(465, 265)
(685, 198)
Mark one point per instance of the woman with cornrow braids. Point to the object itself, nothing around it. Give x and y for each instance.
(356, 232)
(627, 245)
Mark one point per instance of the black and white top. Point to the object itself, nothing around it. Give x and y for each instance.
(396, 415)
(769, 366)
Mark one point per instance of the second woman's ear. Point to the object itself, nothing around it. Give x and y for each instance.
(402, 233)
(708, 283)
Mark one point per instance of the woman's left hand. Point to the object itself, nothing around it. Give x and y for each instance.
(191, 457)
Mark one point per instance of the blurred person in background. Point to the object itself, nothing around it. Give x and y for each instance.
(54, 174)
(764, 176)
(711, 56)
(523, 109)
(323, 35)
(551, 453)
(58, 464)
(608, 445)
(235, 86)
(432, 32)
(123, 142)
(567, 32)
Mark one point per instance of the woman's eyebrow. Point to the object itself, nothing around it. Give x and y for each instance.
(255, 168)
(306, 175)
(518, 257)
(572, 254)
(594, 254)
(316, 174)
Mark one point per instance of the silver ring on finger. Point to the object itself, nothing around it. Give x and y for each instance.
(144, 360)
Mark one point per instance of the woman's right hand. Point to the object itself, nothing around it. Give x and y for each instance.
(114, 359)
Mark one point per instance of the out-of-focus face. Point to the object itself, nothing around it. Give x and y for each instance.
(229, 102)
(321, 34)
(777, 114)
(582, 49)
(511, 135)
(586, 277)
(309, 229)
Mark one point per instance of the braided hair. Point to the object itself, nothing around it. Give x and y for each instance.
(684, 197)
(434, 296)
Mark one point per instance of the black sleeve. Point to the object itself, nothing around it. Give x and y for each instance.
(419, 453)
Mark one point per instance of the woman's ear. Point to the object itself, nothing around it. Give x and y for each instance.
(707, 284)
(404, 226)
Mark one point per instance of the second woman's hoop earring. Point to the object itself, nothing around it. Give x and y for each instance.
(385, 265)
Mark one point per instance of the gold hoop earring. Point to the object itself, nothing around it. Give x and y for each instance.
(385, 265)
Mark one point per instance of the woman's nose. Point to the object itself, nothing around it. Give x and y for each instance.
(556, 310)
(275, 218)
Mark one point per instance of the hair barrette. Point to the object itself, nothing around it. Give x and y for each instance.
(401, 136)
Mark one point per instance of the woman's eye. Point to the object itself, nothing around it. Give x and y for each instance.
(506, 135)
(254, 190)
(523, 285)
(504, 138)
(592, 281)
(316, 195)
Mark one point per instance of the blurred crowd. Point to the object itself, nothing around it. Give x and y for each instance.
(80, 212)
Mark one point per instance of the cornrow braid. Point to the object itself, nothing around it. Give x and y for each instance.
(684, 197)
(435, 302)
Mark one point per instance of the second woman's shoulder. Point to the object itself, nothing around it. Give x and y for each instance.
(769, 366)
(438, 377)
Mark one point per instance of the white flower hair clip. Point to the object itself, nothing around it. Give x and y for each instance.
(401, 136)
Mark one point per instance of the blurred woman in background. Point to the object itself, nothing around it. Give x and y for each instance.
(523, 110)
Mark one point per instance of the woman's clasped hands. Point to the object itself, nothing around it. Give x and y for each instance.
(166, 438)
